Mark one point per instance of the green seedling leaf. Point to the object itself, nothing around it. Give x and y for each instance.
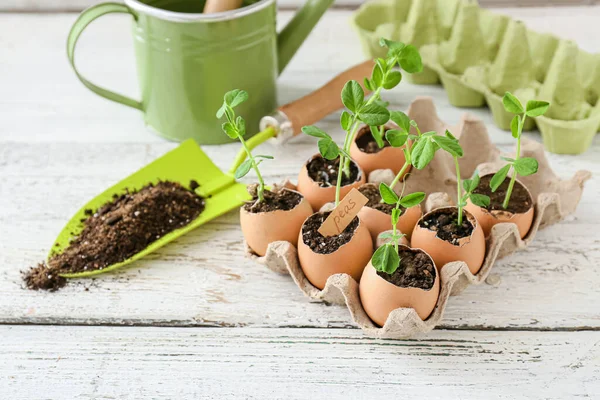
(395, 216)
(422, 153)
(480, 200)
(449, 135)
(353, 96)
(235, 97)
(515, 127)
(315, 132)
(512, 104)
(243, 169)
(374, 115)
(392, 79)
(230, 130)
(387, 194)
(526, 166)
(241, 126)
(390, 44)
(413, 123)
(387, 235)
(377, 75)
(468, 185)
(328, 149)
(410, 59)
(413, 199)
(368, 84)
(508, 159)
(221, 111)
(377, 136)
(449, 145)
(535, 108)
(396, 138)
(345, 121)
(386, 259)
(499, 177)
(401, 119)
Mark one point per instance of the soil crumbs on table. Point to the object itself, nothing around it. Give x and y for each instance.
(325, 172)
(520, 200)
(445, 223)
(366, 142)
(283, 200)
(372, 193)
(126, 225)
(416, 270)
(325, 244)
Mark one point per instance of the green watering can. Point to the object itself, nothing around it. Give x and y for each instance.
(187, 60)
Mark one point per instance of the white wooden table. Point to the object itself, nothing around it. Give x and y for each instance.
(197, 319)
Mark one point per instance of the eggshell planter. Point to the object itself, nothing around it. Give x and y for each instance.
(580, 72)
(388, 157)
(262, 228)
(378, 221)
(554, 199)
(350, 258)
(380, 297)
(318, 196)
(487, 219)
(470, 250)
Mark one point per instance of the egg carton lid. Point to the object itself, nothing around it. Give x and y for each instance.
(554, 199)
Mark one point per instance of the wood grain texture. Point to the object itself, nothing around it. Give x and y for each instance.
(125, 363)
(61, 145)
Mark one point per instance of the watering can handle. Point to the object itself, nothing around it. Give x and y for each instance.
(289, 119)
(82, 22)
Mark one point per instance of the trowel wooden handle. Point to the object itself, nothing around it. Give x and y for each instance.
(322, 102)
(215, 6)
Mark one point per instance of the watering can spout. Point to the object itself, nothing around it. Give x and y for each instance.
(296, 31)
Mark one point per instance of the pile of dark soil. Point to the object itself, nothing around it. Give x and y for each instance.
(372, 193)
(520, 201)
(283, 200)
(366, 142)
(325, 244)
(118, 230)
(416, 270)
(325, 172)
(445, 222)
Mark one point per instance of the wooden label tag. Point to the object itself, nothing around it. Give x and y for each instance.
(343, 214)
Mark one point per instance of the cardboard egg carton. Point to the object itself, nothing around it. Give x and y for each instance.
(478, 55)
(554, 199)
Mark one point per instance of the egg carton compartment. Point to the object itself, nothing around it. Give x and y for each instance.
(478, 55)
(555, 198)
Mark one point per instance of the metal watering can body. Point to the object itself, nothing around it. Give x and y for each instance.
(187, 60)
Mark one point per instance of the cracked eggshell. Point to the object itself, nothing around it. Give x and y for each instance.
(380, 297)
(318, 196)
(470, 249)
(262, 228)
(350, 258)
(387, 158)
(487, 219)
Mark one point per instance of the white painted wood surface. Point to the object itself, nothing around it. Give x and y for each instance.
(61, 145)
(136, 363)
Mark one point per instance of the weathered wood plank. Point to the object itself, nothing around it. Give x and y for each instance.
(118, 363)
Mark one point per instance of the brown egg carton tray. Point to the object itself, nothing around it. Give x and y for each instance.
(555, 199)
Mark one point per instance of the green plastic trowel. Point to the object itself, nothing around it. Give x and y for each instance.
(188, 162)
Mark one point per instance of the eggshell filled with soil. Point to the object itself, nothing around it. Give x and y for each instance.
(318, 177)
(379, 296)
(377, 215)
(369, 156)
(320, 257)
(264, 226)
(519, 212)
(443, 245)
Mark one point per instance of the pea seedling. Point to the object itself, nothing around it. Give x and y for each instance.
(235, 128)
(522, 166)
(386, 258)
(450, 144)
(372, 111)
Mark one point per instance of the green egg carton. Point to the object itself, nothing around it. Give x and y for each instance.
(478, 55)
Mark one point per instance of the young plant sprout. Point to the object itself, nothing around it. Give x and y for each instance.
(372, 111)
(523, 166)
(235, 128)
(450, 144)
(386, 258)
